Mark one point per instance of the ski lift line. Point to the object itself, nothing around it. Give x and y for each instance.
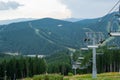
(37, 32)
(47, 37)
(51, 41)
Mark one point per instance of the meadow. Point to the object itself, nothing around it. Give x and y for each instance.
(102, 76)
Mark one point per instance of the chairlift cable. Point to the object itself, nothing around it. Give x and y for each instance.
(103, 18)
(114, 7)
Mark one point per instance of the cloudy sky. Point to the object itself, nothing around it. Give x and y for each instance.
(11, 9)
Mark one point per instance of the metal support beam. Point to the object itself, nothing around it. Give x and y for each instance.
(94, 70)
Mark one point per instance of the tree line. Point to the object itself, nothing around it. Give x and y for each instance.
(109, 61)
(21, 67)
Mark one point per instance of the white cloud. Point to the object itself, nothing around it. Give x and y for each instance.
(9, 5)
(37, 9)
(57, 8)
(89, 8)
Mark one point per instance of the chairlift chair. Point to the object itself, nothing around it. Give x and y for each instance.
(84, 49)
(80, 58)
(78, 63)
(92, 46)
(114, 25)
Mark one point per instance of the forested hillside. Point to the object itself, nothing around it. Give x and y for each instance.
(47, 35)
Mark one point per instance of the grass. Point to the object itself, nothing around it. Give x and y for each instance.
(102, 76)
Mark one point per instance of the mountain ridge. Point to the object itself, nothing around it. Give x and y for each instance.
(47, 35)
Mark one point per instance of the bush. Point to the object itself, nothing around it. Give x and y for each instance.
(27, 79)
(38, 77)
(70, 74)
(48, 77)
(66, 78)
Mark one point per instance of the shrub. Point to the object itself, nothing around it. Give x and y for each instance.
(66, 78)
(48, 77)
(70, 74)
(27, 79)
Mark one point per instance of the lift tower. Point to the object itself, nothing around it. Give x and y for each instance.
(94, 39)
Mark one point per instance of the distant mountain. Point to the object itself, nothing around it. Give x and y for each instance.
(47, 36)
(72, 19)
(4, 22)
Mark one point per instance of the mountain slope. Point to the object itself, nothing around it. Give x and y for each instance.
(47, 35)
(36, 37)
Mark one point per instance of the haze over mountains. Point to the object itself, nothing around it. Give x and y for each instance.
(5, 22)
(73, 19)
(46, 36)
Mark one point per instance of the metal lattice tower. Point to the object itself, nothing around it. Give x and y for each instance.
(94, 39)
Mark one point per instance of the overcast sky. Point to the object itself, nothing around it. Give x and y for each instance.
(11, 9)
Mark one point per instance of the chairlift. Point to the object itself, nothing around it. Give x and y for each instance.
(101, 38)
(114, 25)
(83, 67)
(87, 64)
(92, 46)
(99, 53)
(114, 29)
(114, 34)
(87, 39)
(80, 58)
(78, 63)
(74, 67)
(84, 49)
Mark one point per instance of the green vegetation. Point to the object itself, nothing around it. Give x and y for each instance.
(46, 36)
(70, 74)
(59, 63)
(21, 67)
(103, 76)
(46, 77)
